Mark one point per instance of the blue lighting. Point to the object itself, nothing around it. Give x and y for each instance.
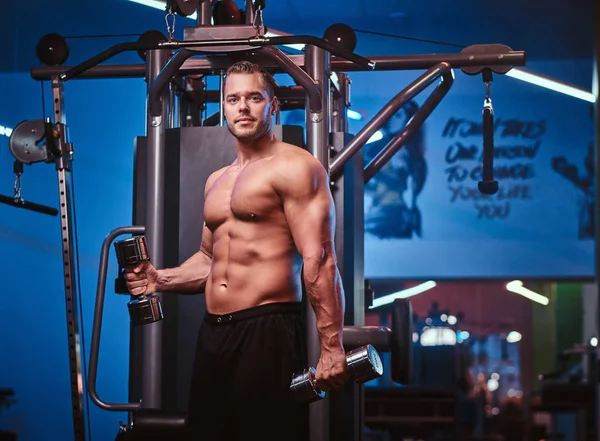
(353, 114)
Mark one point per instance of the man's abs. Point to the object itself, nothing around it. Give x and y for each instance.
(254, 259)
(246, 274)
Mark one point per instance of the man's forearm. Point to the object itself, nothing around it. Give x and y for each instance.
(325, 293)
(188, 278)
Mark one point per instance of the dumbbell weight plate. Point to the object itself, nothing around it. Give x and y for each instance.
(364, 364)
(304, 387)
(131, 251)
(145, 310)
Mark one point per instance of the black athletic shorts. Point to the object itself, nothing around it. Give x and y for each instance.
(244, 363)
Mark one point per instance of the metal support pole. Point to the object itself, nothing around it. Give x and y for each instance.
(221, 98)
(69, 248)
(172, 108)
(249, 12)
(346, 405)
(317, 138)
(340, 100)
(152, 333)
(204, 13)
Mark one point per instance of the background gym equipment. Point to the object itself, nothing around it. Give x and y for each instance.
(145, 308)
(17, 199)
(364, 365)
(161, 170)
(46, 141)
(27, 146)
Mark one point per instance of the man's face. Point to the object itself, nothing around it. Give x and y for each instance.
(248, 108)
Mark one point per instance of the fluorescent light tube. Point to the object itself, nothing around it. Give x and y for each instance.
(405, 293)
(552, 84)
(517, 287)
(375, 137)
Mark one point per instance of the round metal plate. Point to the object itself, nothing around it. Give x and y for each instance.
(25, 142)
(375, 360)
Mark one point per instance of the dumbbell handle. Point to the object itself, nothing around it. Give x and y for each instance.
(132, 251)
(363, 363)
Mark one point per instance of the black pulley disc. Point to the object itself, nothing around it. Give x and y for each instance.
(150, 38)
(341, 35)
(184, 8)
(226, 12)
(52, 50)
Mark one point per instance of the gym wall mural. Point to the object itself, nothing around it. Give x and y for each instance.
(426, 218)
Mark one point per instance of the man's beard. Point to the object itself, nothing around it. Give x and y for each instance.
(246, 134)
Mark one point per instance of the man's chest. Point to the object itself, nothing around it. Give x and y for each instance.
(247, 195)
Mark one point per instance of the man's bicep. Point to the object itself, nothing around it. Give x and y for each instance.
(312, 222)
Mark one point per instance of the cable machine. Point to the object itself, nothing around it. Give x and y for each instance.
(176, 99)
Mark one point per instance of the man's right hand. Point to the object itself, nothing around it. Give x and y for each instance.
(141, 278)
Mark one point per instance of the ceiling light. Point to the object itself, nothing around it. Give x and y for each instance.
(405, 293)
(354, 114)
(552, 84)
(517, 287)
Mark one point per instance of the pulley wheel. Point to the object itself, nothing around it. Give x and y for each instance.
(52, 50)
(25, 142)
(341, 35)
(150, 38)
(483, 49)
(184, 8)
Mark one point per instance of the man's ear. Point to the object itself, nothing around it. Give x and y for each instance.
(274, 105)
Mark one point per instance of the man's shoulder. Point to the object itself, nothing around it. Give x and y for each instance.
(215, 175)
(218, 172)
(290, 155)
(296, 168)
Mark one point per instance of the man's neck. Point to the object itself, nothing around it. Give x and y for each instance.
(250, 151)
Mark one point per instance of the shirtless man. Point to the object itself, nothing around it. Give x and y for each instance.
(269, 225)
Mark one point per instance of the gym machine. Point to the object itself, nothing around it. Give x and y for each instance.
(362, 343)
(178, 139)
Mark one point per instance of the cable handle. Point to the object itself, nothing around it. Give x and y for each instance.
(488, 185)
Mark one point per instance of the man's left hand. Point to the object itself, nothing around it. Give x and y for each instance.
(332, 370)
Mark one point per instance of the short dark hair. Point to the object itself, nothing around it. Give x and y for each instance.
(246, 67)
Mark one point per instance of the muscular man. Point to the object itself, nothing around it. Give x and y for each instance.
(269, 226)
